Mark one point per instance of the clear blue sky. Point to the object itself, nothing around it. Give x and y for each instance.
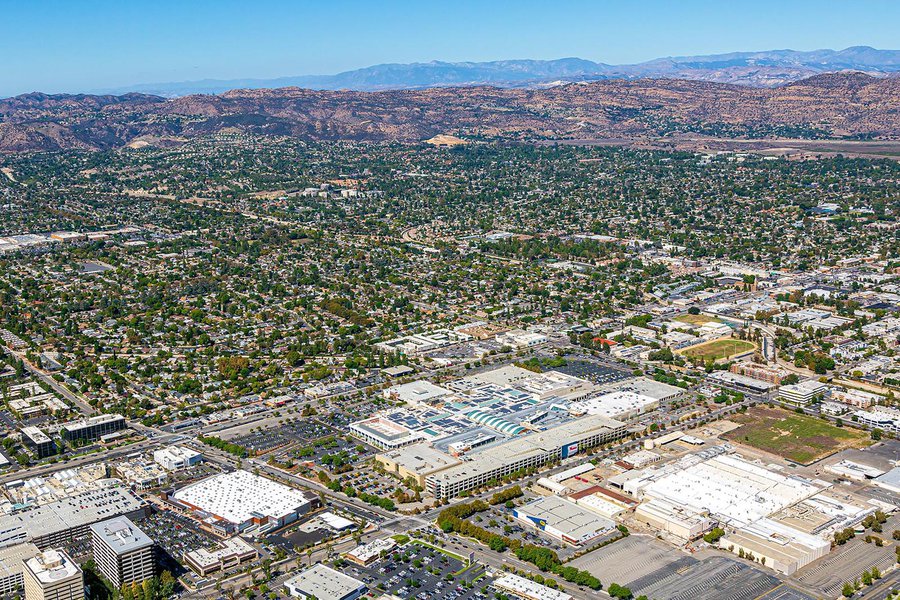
(79, 45)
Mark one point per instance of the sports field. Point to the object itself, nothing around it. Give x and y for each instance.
(798, 438)
(718, 349)
(696, 319)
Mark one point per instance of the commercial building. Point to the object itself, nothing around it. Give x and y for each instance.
(889, 481)
(564, 520)
(803, 392)
(679, 521)
(229, 553)
(417, 462)
(740, 383)
(776, 545)
(384, 434)
(175, 458)
(62, 521)
(92, 428)
(416, 392)
(122, 552)
(730, 489)
(324, 583)
(602, 501)
(527, 589)
(880, 417)
(53, 575)
(615, 405)
(366, 554)
(140, 473)
(12, 567)
(242, 501)
(523, 452)
(644, 386)
(38, 442)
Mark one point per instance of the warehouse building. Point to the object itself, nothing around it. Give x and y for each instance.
(564, 520)
(243, 501)
(324, 583)
(522, 452)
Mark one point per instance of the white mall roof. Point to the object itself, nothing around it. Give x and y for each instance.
(239, 496)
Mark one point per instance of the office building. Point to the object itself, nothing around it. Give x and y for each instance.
(38, 442)
(53, 575)
(92, 428)
(739, 383)
(175, 458)
(229, 553)
(123, 553)
(803, 392)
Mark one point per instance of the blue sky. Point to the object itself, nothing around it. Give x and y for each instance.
(82, 45)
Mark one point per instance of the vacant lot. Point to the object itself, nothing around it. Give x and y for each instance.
(696, 319)
(799, 438)
(718, 349)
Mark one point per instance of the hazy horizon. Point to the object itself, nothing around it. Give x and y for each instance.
(68, 47)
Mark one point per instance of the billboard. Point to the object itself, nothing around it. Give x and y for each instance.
(570, 450)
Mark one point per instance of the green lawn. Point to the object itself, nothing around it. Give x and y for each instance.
(798, 438)
(718, 349)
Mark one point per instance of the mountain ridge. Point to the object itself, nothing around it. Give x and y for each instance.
(827, 105)
(768, 68)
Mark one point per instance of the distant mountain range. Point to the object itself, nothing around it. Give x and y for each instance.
(756, 69)
(843, 105)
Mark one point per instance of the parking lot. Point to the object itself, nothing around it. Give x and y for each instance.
(175, 535)
(596, 373)
(420, 572)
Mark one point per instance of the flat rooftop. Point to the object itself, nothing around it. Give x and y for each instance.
(121, 535)
(52, 566)
(324, 583)
(240, 496)
(420, 458)
(76, 510)
(571, 520)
